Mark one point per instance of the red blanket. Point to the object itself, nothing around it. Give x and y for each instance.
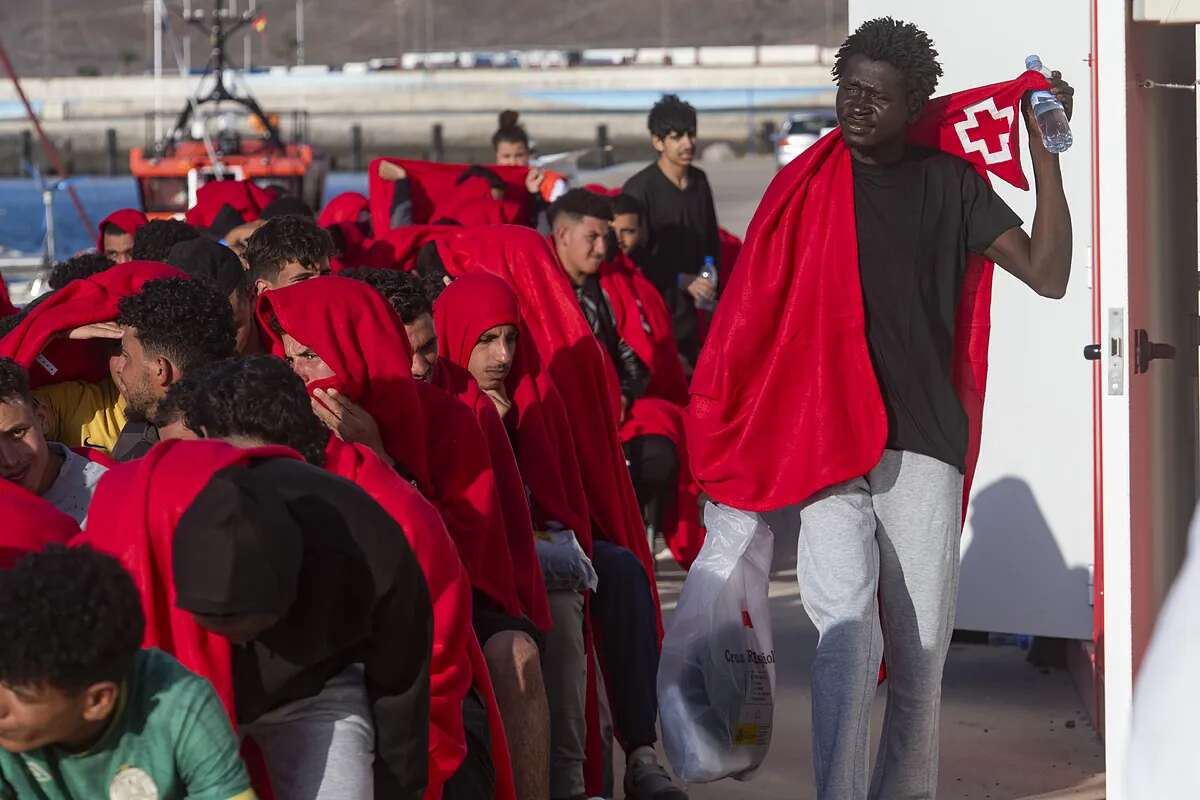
(785, 401)
(545, 447)
(80, 302)
(435, 194)
(245, 197)
(644, 322)
(398, 248)
(531, 586)
(434, 440)
(133, 516)
(451, 671)
(30, 523)
(573, 360)
(127, 219)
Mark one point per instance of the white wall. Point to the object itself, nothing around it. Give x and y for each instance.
(1028, 544)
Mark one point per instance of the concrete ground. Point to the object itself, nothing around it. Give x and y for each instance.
(1009, 729)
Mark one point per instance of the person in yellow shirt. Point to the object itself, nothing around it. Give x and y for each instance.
(85, 414)
(169, 327)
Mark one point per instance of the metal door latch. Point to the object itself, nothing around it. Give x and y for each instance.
(1113, 351)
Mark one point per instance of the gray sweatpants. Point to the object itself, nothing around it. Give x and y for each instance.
(321, 747)
(881, 549)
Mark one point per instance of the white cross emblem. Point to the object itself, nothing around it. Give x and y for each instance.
(981, 145)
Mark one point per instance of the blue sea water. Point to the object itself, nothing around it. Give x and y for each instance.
(22, 222)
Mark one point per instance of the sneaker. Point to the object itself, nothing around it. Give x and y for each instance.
(645, 779)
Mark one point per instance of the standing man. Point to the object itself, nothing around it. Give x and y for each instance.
(859, 406)
(680, 218)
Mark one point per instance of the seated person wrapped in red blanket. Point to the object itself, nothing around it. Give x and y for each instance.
(260, 401)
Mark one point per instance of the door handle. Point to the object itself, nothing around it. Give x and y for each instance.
(1145, 351)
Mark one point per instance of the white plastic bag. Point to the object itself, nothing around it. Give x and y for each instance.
(716, 676)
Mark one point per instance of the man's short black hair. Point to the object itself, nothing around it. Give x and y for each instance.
(71, 617)
(256, 396)
(284, 239)
(155, 239)
(628, 204)
(478, 171)
(14, 382)
(579, 203)
(285, 205)
(404, 291)
(671, 115)
(186, 320)
(83, 265)
(901, 44)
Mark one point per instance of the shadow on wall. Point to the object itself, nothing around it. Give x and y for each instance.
(1013, 571)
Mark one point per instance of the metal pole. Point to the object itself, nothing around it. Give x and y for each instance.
(48, 210)
(187, 36)
(248, 40)
(299, 33)
(110, 149)
(439, 144)
(158, 64)
(356, 148)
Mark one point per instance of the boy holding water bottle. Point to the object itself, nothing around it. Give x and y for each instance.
(680, 220)
(862, 303)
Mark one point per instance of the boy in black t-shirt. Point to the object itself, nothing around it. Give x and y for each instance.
(680, 219)
(878, 555)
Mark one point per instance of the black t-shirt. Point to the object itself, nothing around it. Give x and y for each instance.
(917, 222)
(682, 230)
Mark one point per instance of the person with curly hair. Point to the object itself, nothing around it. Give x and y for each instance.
(287, 250)
(63, 477)
(680, 218)
(83, 265)
(884, 321)
(256, 399)
(407, 293)
(259, 401)
(170, 327)
(84, 710)
(154, 240)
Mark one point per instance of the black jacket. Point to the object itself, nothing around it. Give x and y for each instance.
(633, 373)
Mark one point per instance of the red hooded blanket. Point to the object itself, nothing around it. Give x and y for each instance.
(126, 219)
(245, 197)
(30, 523)
(785, 401)
(81, 302)
(531, 586)
(435, 194)
(434, 439)
(467, 308)
(451, 669)
(573, 360)
(575, 364)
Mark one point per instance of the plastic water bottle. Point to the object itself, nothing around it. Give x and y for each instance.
(709, 273)
(1051, 117)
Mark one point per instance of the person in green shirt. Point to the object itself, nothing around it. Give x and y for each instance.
(85, 712)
